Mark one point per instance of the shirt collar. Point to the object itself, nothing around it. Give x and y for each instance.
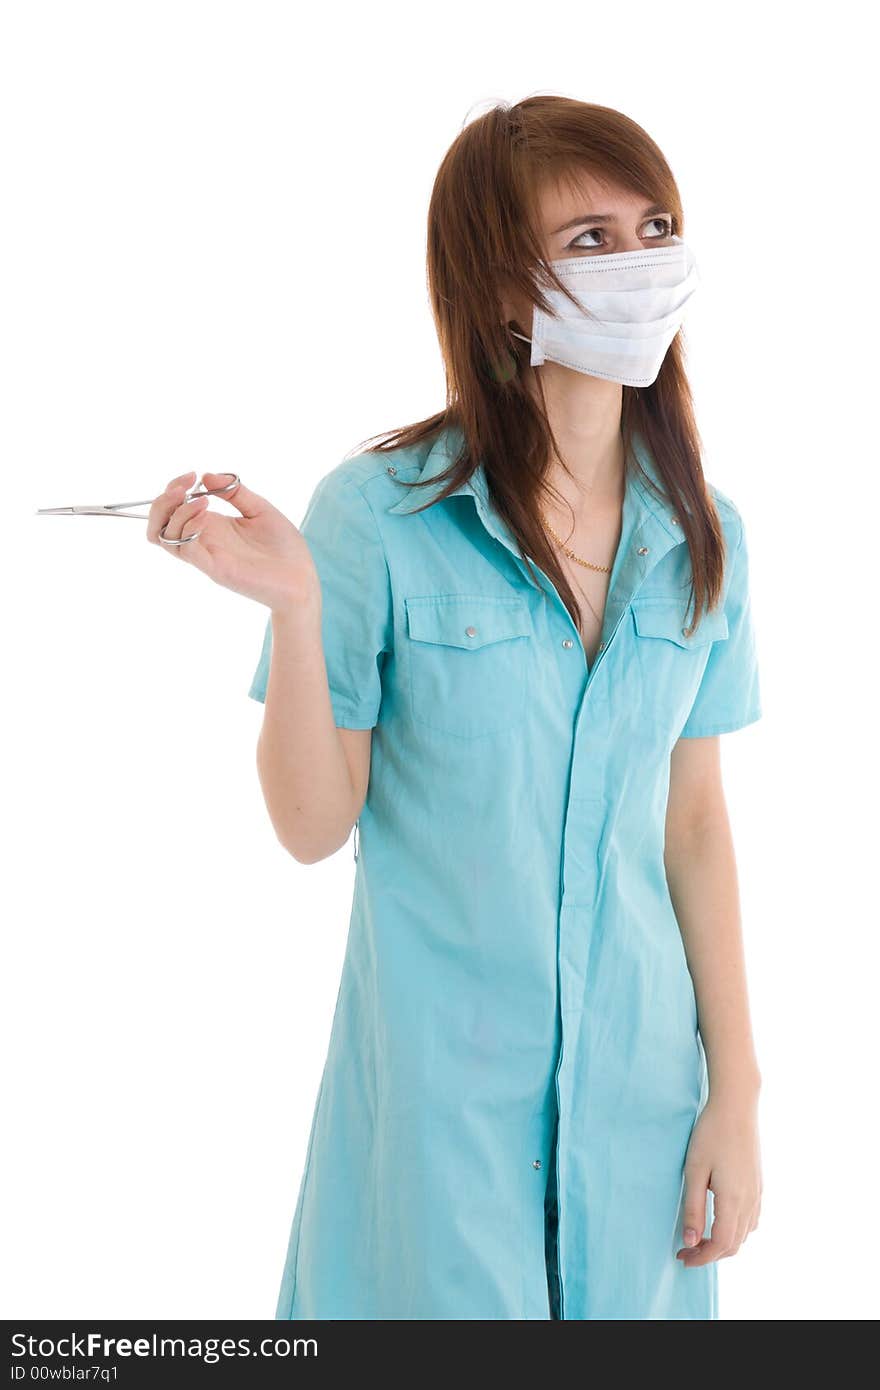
(441, 454)
(641, 503)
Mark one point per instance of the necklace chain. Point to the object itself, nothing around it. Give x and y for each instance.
(572, 555)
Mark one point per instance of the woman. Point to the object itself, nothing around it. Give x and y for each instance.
(540, 1094)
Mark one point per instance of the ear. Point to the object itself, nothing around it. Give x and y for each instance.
(507, 302)
(514, 308)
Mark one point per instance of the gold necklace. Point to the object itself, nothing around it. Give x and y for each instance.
(588, 564)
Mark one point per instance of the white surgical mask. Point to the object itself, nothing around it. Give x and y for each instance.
(632, 304)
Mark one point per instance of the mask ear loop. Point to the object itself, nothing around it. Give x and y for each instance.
(537, 356)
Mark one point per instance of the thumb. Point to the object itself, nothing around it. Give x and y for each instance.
(245, 501)
(694, 1219)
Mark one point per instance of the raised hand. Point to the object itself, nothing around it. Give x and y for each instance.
(260, 553)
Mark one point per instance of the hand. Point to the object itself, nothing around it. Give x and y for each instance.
(259, 554)
(723, 1155)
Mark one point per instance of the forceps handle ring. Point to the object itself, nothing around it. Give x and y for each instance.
(206, 492)
(168, 540)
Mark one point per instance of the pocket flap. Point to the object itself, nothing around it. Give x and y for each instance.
(667, 620)
(466, 620)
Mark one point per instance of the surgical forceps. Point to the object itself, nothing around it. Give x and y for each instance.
(123, 508)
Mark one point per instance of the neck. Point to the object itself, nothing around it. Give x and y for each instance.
(584, 413)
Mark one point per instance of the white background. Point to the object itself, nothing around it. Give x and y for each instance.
(213, 257)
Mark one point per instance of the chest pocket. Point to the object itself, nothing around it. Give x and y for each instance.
(669, 664)
(468, 662)
(660, 618)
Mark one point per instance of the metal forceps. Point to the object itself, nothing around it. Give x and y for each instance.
(125, 508)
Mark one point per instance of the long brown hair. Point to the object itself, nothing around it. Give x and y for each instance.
(484, 237)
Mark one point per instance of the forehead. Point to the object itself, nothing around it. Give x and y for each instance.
(567, 196)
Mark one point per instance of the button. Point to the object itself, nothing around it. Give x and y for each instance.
(674, 520)
(470, 632)
(536, 1162)
(643, 550)
(602, 646)
(567, 642)
(391, 469)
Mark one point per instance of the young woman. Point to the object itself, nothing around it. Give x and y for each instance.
(502, 646)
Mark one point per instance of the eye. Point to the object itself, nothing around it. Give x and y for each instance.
(665, 223)
(591, 231)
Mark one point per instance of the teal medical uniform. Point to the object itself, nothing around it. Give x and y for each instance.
(514, 1066)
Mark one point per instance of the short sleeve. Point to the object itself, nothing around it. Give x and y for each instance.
(356, 619)
(729, 695)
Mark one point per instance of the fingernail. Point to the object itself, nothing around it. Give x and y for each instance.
(690, 1236)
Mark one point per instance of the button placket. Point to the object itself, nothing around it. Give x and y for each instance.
(583, 828)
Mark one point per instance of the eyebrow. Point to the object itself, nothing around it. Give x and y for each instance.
(652, 211)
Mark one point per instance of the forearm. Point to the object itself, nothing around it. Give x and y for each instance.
(702, 877)
(303, 770)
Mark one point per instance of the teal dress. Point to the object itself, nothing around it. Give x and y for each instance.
(514, 1066)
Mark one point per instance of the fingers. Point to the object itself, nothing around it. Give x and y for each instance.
(165, 504)
(728, 1233)
(178, 517)
(173, 518)
(186, 523)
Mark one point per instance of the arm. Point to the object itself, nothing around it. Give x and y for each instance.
(313, 775)
(701, 873)
(320, 671)
(324, 584)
